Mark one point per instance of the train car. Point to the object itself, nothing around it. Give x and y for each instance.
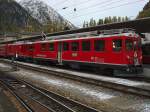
(108, 51)
(3, 50)
(146, 53)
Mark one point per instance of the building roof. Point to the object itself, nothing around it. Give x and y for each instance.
(140, 25)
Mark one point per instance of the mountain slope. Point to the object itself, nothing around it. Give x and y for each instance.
(44, 13)
(15, 18)
(145, 12)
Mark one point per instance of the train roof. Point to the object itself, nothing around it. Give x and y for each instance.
(88, 37)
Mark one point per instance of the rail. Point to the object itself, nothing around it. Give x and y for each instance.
(39, 100)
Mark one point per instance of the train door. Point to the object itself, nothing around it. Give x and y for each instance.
(129, 50)
(137, 51)
(117, 51)
(30, 50)
(59, 55)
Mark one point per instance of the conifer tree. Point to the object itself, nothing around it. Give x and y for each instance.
(100, 22)
(119, 19)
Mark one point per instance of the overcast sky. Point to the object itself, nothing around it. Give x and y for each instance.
(87, 9)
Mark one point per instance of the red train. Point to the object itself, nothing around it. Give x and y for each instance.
(108, 51)
(146, 53)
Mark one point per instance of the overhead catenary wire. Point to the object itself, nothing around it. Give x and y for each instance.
(95, 5)
(61, 2)
(98, 4)
(101, 5)
(106, 9)
(72, 5)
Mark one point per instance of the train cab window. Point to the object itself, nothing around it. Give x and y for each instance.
(86, 45)
(75, 46)
(117, 45)
(129, 45)
(43, 47)
(99, 45)
(51, 47)
(65, 46)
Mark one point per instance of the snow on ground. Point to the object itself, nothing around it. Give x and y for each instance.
(4, 65)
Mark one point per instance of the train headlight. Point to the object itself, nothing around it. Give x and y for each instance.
(128, 57)
(141, 57)
(135, 54)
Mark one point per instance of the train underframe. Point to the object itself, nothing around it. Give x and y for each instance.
(105, 69)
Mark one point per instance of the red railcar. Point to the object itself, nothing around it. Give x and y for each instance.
(107, 51)
(146, 53)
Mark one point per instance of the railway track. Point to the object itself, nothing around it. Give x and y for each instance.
(39, 100)
(123, 87)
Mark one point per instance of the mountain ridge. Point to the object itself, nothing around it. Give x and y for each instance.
(15, 18)
(145, 12)
(43, 12)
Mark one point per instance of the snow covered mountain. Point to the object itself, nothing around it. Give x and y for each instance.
(14, 18)
(43, 12)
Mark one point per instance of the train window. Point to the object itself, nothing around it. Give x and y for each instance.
(86, 45)
(65, 46)
(129, 45)
(25, 47)
(99, 45)
(30, 47)
(43, 47)
(75, 46)
(139, 45)
(51, 47)
(117, 45)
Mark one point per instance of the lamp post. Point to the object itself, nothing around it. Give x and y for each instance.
(14, 60)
